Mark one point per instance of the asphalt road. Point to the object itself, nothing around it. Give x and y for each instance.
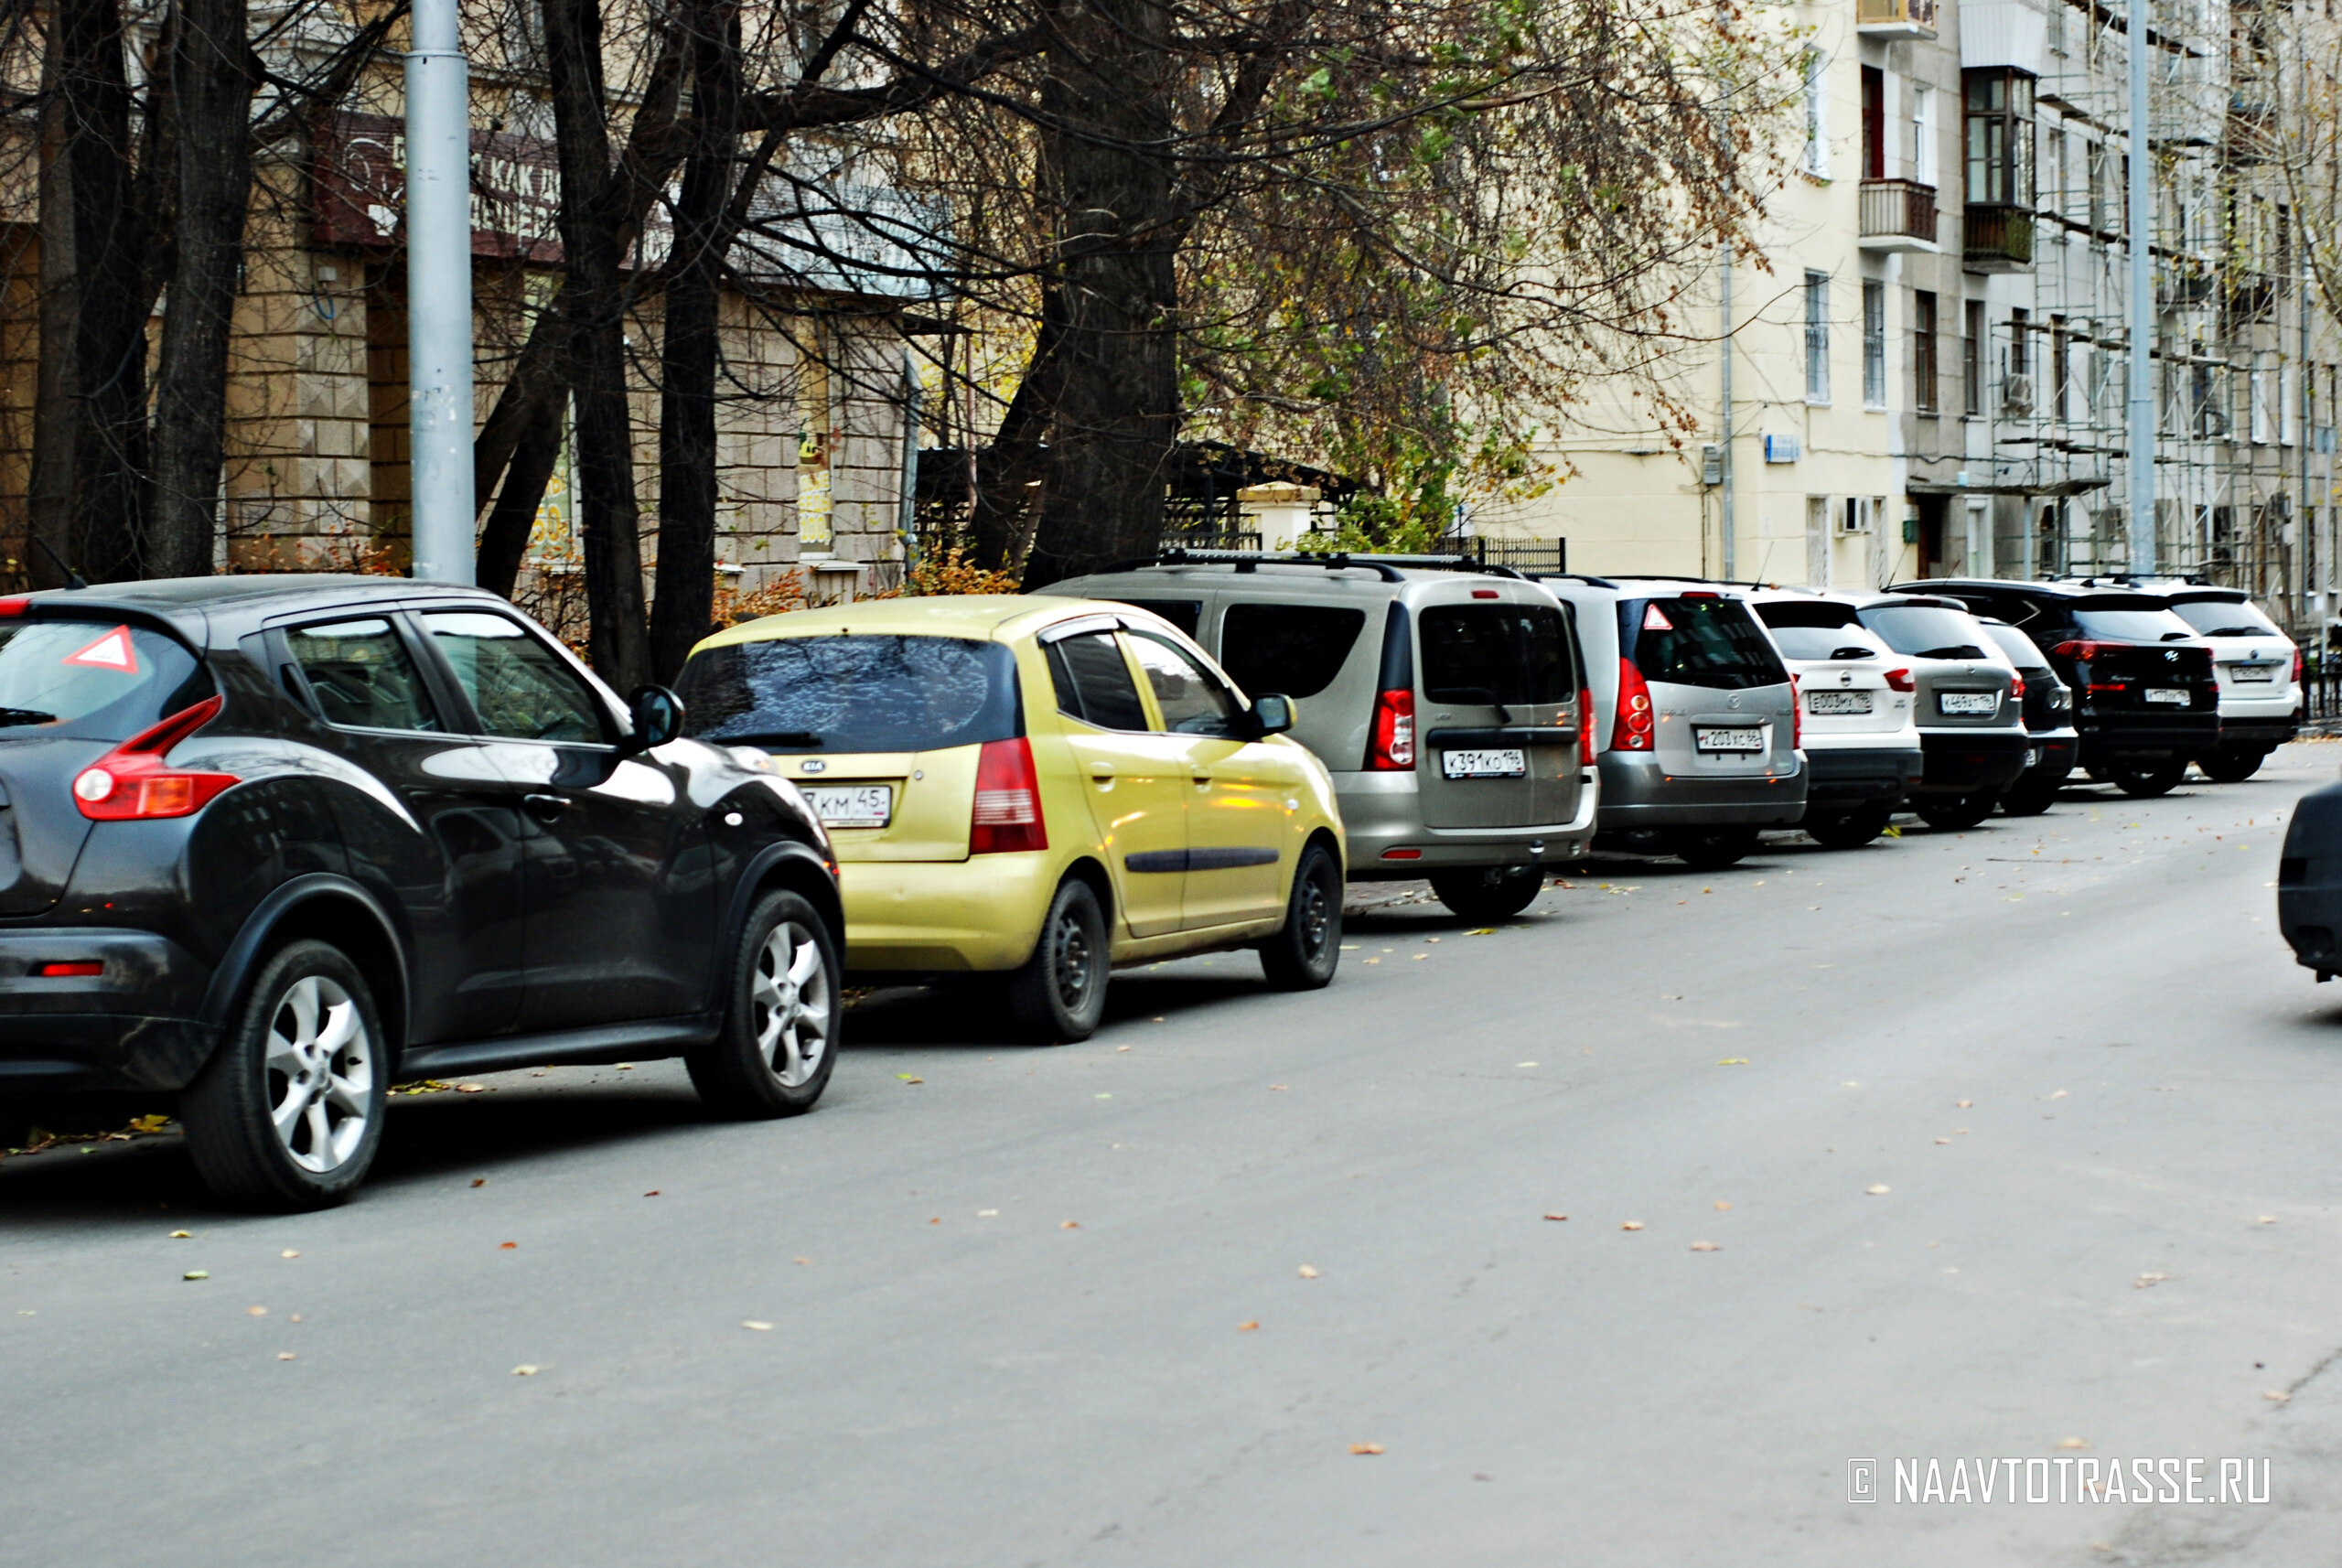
(2005, 1139)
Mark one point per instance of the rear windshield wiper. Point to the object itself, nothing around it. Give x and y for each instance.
(799, 739)
(11, 717)
(1957, 651)
(2176, 636)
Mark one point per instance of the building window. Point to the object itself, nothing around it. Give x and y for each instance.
(1817, 336)
(1923, 135)
(2060, 366)
(1923, 350)
(1972, 361)
(1873, 123)
(2000, 137)
(1874, 344)
(2020, 361)
(2100, 192)
(1817, 113)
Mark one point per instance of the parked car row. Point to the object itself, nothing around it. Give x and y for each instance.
(274, 844)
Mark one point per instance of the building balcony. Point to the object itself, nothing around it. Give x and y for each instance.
(1896, 18)
(1998, 239)
(1898, 215)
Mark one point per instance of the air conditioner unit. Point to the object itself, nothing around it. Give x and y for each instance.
(2017, 395)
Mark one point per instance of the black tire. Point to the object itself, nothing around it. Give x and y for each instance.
(1714, 849)
(784, 1008)
(1303, 955)
(1847, 830)
(287, 1115)
(1059, 994)
(1956, 814)
(1490, 893)
(2029, 797)
(2231, 766)
(2147, 783)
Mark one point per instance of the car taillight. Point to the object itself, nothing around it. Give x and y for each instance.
(133, 781)
(2016, 688)
(2297, 666)
(1900, 681)
(1006, 817)
(2084, 651)
(1631, 732)
(1586, 727)
(1796, 712)
(71, 968)
(1392, 749)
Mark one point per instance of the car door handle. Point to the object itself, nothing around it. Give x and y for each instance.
(1102, 771)
(545, 807)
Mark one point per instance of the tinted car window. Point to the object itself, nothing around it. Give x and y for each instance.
(1192, 702)
(1294, 649)
(1185, 614)
(520, 687)
(1823, 642)
(1093, 682)
(1806, 612)
(362, 676)
(852, 694)
(2131, 626)
(1505, 654)
(2226, 617)
(1698, 642)
(2017, 646)
(1927, 631)
(102, 679)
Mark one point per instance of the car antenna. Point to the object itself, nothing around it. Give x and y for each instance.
(73, 579)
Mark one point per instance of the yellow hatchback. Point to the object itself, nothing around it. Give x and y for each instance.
(1036, 788)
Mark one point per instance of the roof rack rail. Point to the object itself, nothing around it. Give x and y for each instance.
(1385, 566)
(1719, 581)
(1589, 578)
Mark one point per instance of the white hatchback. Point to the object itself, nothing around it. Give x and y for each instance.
(1857, 726)
(2260, 673)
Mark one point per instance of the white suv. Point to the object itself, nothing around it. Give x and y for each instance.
(2259, 671)
(1861, 734)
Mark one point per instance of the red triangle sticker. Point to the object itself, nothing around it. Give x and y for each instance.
(113, 651)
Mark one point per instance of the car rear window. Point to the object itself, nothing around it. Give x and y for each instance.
(2226, 617)
(99, 679)
(1185, 614)
(2021, 649)
(1927, 631)
(1824, 642)
(2156, 625)
(1501, 653)
(852, 692)
(1295, 650)
(1698, 642)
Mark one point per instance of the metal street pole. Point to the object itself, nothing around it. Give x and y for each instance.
(1724, 471)
(439, 294)
(2143, 304)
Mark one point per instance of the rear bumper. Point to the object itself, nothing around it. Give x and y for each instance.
(1860, 775)
(2310, 918)
(138, 1025)
(1638, 792)
(946, 917)
(2108, 737)
(2061, 753)
(2241, 732)
(1961, 762)
(1382, 812)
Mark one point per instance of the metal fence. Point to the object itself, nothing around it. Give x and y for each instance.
(2321, 686)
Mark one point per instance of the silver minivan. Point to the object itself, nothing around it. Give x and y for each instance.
(1446, 703)
(1696, 722)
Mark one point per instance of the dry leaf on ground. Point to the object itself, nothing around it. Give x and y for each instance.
(1307, 1273)
(759, 1327)
(1557, 1216)
(1878, 1189)
(1630, 1224)
(1366, 1448)
(1707, 1246)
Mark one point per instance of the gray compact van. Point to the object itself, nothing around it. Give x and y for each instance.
(1446, 701)
(1695, 722)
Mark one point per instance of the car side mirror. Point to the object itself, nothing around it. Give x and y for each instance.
(658, 719)
(1273, 714)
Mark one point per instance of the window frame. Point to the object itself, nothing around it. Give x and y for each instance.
(1874, 343)
(445, 701)
(1817, 336)
(1927, 369)
(1129, 636)
(474, 728)
(1997, 137)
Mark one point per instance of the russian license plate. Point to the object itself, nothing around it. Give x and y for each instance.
(2167, 695)
(852, 805)
(1483, 764)
(1837, 701)
(1705, 740)
(2263, 673)
(1955, 703)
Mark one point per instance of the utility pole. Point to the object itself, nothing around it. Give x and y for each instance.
(2143, 304)
(1723, 466)
(439, 294)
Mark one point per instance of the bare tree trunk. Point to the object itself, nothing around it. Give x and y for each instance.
(687, 466)
(505, 539)
(1017, 457)
(1117, 406)
(593, 298)
(90, 415)
(209, 101)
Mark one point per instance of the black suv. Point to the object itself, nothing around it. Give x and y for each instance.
(2145, 698)
(276, 842)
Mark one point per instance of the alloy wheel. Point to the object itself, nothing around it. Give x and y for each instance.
(320, 1068)
(791, 1000)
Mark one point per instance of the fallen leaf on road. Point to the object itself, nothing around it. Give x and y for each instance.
(1630, 1224)
(910, 1078)
(479, 1181)
(284, 1354)
(980, 1214)
(2060, 1095)
(2073, 1443)
(1249, 1325)
(1370, 960)
(2148, 1281)
(1850, 1083)
(1722, 1204)
(1878, 1189)
(1307, 1273)
(1366, 1448)
(297, 1317)
(1158, 1020)
(196, 1274)
(524, 1370)
(1943, 1140)
(1433, 941)
(471, 1088)
(1482, 931)
(937, 1221)
(1706, 1247)
(1104, 1097)
(800, 1260)
(182, 1235)
(626, 1067)
(1557, 1216)
(652, 1193)
(759, 1327)
(1421, 956)
(2266, 1219)
(507, 1246)
(148, 1123)
(2277, 1396)
(1964, 1104)
(1732, 1061)
(1122, 1048)
(289, 1252)
(1070, 1225)
(1275, 1086)
(255, 1312)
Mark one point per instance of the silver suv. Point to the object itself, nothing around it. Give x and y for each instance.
(1446, 701)
(1970, 703)
(1699, 746)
